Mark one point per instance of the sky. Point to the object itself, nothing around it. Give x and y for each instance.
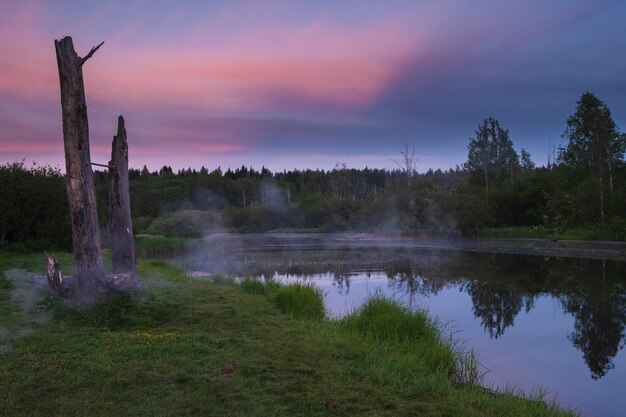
(307, 84)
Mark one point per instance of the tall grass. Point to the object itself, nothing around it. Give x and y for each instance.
(253, 286)
(411, 340)
(299, 300)
(413, 336)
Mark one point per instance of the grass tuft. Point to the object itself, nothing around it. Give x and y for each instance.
(392, 327)
(300, 300)
(253, 286)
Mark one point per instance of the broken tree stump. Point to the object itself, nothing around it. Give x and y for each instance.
(54, 275)
(88, 272)
(121, 225)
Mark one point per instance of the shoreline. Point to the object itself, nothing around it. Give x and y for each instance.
(579, 249)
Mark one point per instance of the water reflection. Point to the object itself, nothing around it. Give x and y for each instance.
(500, 286)
(496, 305)
(599, 311)
(407, 277)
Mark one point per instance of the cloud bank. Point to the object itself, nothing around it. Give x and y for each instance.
(288, 85)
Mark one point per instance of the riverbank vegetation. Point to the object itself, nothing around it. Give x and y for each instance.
(580, 192)
(191, 347)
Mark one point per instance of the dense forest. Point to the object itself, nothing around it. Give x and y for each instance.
(582, 186)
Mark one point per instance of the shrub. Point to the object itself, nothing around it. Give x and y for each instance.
(34, 207)
(185, 223)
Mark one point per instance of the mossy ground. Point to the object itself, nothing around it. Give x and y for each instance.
(194, 348)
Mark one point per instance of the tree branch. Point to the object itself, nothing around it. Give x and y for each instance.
(90, 54)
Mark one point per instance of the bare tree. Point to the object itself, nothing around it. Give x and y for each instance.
(87, 270)
(121, 225)
(407, 164)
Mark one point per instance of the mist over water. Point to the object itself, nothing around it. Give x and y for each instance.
(539, 314)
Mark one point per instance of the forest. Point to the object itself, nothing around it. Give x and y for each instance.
(498, 191)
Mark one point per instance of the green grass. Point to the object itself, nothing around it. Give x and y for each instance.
(195, 348)
(11, 317)
(254, 286)
(299, 300)
(547, 233)
(147, 246)
(412, 335)
(517, 232)
(593, 234)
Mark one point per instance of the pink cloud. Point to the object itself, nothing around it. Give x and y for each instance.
(319, 61)
(222, 85)
(216, 83)
(26, 64)
(30, 148)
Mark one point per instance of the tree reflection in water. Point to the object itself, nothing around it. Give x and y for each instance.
(600, 318)
(341, 280)
(496, 306)
(409, 278)
(501, 286)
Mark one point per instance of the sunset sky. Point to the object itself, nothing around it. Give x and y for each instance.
(295, 84)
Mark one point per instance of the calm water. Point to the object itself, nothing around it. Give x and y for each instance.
(543, 317)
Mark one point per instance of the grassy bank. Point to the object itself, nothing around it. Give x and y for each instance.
(194, 348)
(147, 246)
(547, 233)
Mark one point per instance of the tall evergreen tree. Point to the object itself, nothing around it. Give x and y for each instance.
(593, 140)
(491, 153)
(594, 143)
(527, 163)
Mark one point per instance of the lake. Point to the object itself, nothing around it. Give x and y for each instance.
(539, 314)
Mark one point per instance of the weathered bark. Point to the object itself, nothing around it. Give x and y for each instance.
(54, 275)
(121, 226)
(87, 270)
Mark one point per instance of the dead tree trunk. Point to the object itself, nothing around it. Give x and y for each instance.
(87, 270)
(121, 226)
(54, 275)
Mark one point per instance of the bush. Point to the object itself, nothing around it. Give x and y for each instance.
(34, 207)
(255, 286)
(300, 300)
(185, 223)
(141, 224)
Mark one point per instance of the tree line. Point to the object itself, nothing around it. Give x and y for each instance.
(584, 186)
